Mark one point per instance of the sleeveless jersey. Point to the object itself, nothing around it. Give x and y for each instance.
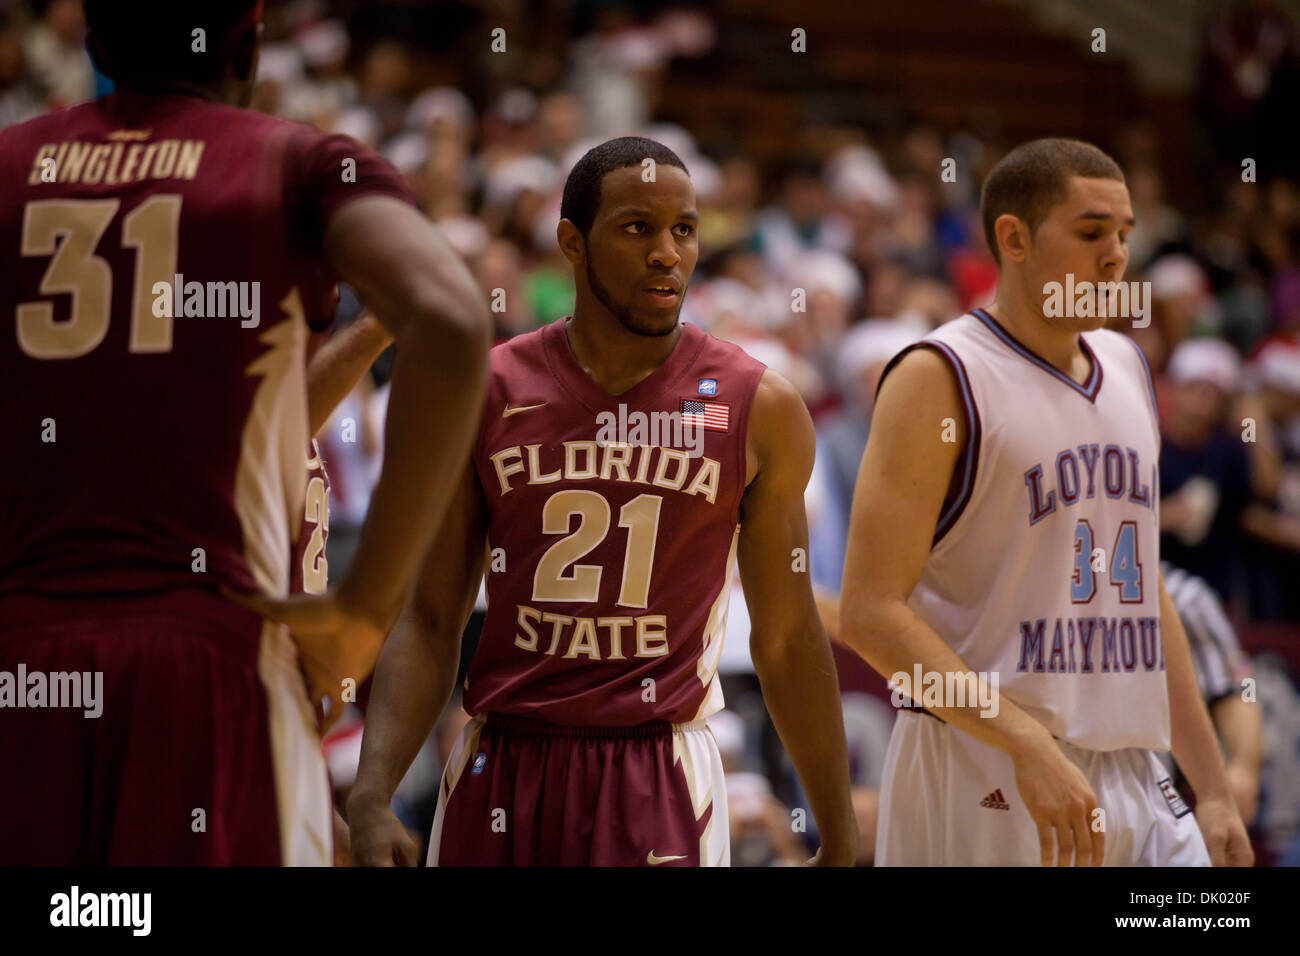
(1045, 562)
(160, 267)
(611, 534)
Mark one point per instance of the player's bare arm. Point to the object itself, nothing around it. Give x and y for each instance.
(1239, 724)
(1196, 750)
(425, 296)
(339, 364)
(900, 489)
(414, 676)
(791, 653)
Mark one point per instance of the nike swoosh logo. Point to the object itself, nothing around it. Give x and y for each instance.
(656, 860)
(508, 411)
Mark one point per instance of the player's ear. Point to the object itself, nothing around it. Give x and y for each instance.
(1012, 234)
(571, 242)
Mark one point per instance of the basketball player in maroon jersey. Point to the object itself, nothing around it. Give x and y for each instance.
(161, 438)
(607, 574)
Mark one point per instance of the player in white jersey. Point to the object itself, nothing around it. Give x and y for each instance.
(1004, 555)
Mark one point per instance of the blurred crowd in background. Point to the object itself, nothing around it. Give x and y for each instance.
(884, 249)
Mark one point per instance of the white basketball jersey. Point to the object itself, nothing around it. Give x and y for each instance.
(1045, 563)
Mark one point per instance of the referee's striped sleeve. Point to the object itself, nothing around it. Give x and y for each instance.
(1216, 655)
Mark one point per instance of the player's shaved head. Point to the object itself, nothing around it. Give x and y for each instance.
(582, 189)
(1034, 177)
(155, 41)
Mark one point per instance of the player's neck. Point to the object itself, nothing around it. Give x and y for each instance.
(1059, 347)
(615, 358)
(168, 88)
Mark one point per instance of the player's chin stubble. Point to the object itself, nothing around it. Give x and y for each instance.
(626, 319)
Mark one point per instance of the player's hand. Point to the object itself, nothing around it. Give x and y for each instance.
(379, 838)
(1224, 833)
(335, 643)
(1061, 803)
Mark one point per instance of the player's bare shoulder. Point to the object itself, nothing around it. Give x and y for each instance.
(780, 428)
(918, 398)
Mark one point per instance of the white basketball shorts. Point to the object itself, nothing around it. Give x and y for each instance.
(946, 799)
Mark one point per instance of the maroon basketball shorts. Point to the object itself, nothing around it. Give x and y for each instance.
(521, 792)
(169, 731)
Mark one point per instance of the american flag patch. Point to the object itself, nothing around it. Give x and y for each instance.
(714, 415)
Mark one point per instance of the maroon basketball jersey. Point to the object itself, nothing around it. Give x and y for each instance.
(156, 424)
(612, 532)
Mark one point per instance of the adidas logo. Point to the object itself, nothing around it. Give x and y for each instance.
(995, 801)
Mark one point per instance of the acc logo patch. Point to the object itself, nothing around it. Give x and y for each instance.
(708, 386)
(480, 761)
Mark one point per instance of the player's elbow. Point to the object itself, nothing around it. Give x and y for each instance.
(456, 319)
(772, 649)
(435, 624)
(865, 614)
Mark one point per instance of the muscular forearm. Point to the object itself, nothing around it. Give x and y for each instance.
(890, 637)
(339, 364)
(437, 391)
(413, 682)
(802, 696)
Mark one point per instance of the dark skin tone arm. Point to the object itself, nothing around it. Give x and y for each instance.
(789, 647)
(339, 364)
(414, 677)
(424, 295)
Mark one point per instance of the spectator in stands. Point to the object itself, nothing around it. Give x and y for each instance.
(1159, 225)
(1275, 551)
(842, 438)
(19, 97)
(56, 54)
(801, 220)
(1208, 473)
(1248, 81)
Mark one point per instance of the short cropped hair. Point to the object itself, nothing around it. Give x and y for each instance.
(582, 188)
(1034, 177)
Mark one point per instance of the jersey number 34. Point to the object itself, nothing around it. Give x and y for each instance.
(1125, 568)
